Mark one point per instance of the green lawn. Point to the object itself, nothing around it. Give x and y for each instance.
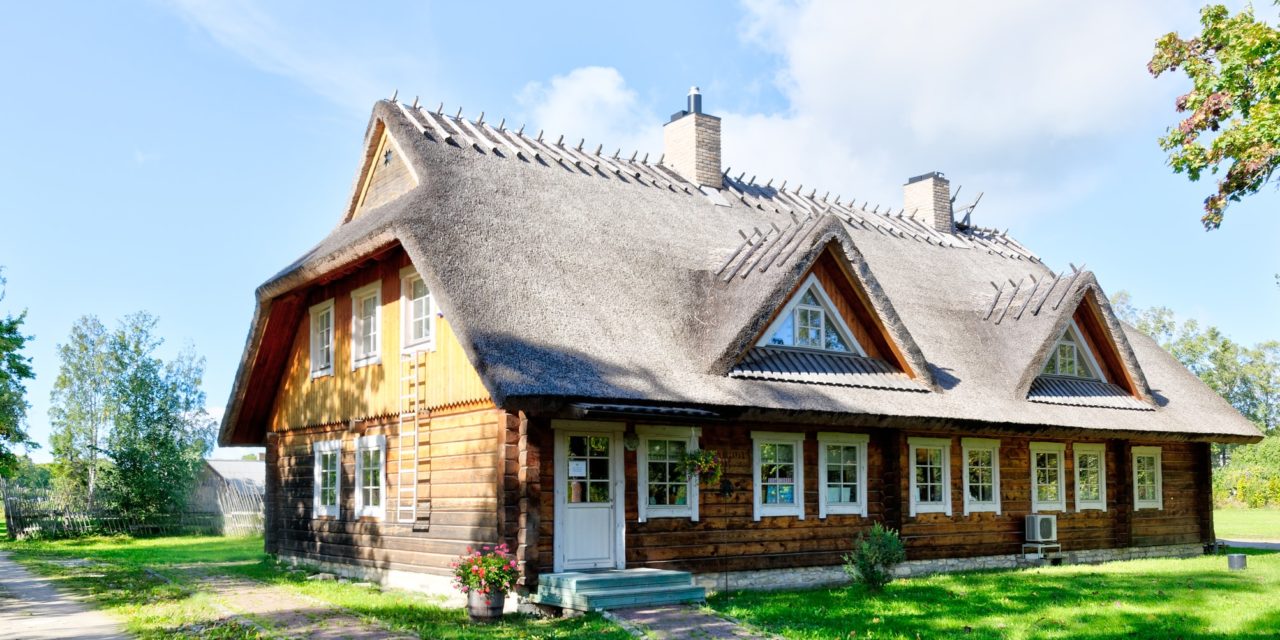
(1192, 599)
(136, 580)
(1247, 524)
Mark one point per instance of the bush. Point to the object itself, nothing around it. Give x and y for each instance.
(1252, 477)
(874, 555)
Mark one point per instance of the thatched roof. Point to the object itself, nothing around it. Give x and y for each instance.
(574, 277)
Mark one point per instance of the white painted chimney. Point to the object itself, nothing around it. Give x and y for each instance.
(691, 144)
(927, 199)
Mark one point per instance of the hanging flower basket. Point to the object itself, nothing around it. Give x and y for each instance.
(705, 464)
(485, 575)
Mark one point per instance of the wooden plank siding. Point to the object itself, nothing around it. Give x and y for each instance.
(445, 375)
(456, 447)
(727, 539)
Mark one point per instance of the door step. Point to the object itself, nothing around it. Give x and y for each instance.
(600, 590)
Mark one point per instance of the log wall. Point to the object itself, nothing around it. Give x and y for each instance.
(459, 465)
(727, 539)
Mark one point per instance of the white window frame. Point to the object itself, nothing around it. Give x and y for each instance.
(1091, 448)
(1082, 347)
(316, 311)
(370, 443)
(321, 510)
(1158, 503)
(1061, 503)
(760, 509)
(688, 435)
(829, 309)
(407, 345)
(981, 444)
(826, 507)
(918, 507)
(358, 359)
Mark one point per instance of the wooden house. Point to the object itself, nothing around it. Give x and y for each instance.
(517, 338)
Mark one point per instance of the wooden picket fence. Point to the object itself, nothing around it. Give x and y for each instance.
(235, 510)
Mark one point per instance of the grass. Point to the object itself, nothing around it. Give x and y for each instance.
(137, 581)
(1191, 599)
(1247, 524)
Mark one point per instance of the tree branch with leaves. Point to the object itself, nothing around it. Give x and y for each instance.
(1231, 116)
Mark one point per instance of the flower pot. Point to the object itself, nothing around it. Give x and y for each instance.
(484, 607)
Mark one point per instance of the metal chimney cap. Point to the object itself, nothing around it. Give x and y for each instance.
(693, 91)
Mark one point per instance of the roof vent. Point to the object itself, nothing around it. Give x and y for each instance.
(691, 144)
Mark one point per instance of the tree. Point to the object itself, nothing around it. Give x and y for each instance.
(15, 370)
(1232, 121)
(160, 430)
(1246, 377)
(78, 408)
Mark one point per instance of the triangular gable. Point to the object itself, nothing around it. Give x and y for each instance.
(813, 319)
(384, 175)
(1099, 340)
(863, 309)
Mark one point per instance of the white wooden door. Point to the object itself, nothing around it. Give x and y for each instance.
(589, 494)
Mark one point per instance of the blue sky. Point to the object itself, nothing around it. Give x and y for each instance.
(170, 156)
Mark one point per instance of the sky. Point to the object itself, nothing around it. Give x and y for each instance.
(171, 156)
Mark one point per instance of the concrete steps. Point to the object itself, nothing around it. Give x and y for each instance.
(614, 589)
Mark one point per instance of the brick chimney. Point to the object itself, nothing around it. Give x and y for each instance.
(927, 199)
(691, 144)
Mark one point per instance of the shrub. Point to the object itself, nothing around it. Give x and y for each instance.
(487, 570)
(875, 553)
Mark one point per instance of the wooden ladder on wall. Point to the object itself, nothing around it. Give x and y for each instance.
(413, 440)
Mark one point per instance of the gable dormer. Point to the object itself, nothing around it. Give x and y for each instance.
(1084, 365)
(828, 332)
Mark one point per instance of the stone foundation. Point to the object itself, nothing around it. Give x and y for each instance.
(436, 585)
(834, 575)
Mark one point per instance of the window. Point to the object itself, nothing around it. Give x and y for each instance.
(1071, 356)
(1148, 481)
(981, 474)
(322, 339)
(418, 319)
(1091, 475)
(930, 475)
(666, 488)
(778, 470)
(1047, 491)
(810, 321)
(371, 454)
(366, 316)
(842, 474)
(328, 477)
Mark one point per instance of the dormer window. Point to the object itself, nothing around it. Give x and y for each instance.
(810, 321)
(1071, 356)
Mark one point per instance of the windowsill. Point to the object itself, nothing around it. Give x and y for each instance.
(1090, 507)
(1147, 507)
(410, 349)
(1048, 509)
(982, 508)
(845, 510)
(325, 516)
(651, 514)
(323, 373)
(360, 364)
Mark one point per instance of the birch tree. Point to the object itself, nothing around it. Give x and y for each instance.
(78, 408)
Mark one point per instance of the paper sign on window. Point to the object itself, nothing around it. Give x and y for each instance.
(577, 468)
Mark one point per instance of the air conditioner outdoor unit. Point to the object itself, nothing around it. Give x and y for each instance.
(1041, 528)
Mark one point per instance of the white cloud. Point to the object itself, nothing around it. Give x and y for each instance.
(351, 68)
(1017, 99)
(592, 103)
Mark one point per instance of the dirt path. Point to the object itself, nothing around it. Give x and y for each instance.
(31, 608)
(284, 614)
(677, 622)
